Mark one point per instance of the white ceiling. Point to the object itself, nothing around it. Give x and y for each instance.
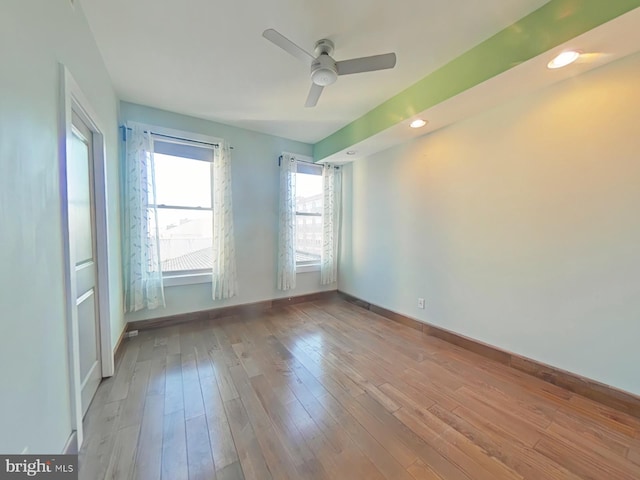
(207, 58)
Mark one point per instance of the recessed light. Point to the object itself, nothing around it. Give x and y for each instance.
(418, 123)
(351, 152)
(564, 59)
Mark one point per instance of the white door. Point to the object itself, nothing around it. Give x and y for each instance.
(82, 242)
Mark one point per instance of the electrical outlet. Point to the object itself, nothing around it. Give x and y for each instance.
(421, 303)
(132, 333)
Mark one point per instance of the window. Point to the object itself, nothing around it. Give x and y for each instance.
(308, 214)
(183, 194)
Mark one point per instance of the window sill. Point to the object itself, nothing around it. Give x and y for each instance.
(308, 268)
(187, 279)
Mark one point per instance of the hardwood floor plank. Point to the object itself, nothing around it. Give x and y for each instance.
(199, 459)
(123, 457)
(412, 438)
(307, 390)
(323, 435)
(232, 471)
(221, 441)
(515, 426)
(133, 405)
(222, 359)
(276, 455)
(99, 440)
(421, 471)
(254, 466)
(187, 338)
(147, 345)
(329, 368)
(443, 453)
(401, 397)
(430, 371)
(157, 377)
(205, 342)
(173, 396)
(527, 458)
(246, 359)
(589, 440)
(522, 460)
(122, 381)
(280, 417)
(345, 456)
(149, 456)
(614, 419)
(100, 400)
(576, 440)
(587, 465)
(192, 394)
(379, 456)
(173, 340)
(174, 446)
(389, 438)
(433, 391)
(327, 390)
(598, 433)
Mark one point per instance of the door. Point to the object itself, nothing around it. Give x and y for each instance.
(82, 243)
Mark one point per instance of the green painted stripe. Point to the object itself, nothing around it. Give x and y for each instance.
(553, 24)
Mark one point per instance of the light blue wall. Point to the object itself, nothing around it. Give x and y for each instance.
(519, 226)
(255, 187)
(34, 386)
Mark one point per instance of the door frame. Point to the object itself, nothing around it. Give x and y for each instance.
(73, 100)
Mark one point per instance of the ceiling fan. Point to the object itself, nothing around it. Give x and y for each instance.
(324, 69)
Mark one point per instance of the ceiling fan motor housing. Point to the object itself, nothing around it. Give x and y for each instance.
(323, 70)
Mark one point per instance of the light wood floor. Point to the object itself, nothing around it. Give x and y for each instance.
(327, 390)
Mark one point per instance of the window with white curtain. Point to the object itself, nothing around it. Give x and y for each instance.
(177, 214)
(309, 220)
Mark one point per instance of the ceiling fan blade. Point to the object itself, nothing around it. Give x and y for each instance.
(314, 95)
(366, 64)
(287, 45)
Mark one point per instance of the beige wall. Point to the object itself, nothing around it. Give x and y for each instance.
(520, 226)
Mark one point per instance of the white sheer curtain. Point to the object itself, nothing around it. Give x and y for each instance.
(287, 223)
(141, 255)
(332, 200)
(225, 276)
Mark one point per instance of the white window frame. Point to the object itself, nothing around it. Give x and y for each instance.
(305, 267)
(183, 277)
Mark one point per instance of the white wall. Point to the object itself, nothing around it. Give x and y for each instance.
(520, 227)
(254, 173)
(34, 37)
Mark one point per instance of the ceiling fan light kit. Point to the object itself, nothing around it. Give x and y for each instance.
(324, 69)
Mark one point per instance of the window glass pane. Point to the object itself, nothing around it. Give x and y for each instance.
(186, 239)
(79, 192)
(308, 242)
(182, 181)
(308, 193)
(309, 227)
